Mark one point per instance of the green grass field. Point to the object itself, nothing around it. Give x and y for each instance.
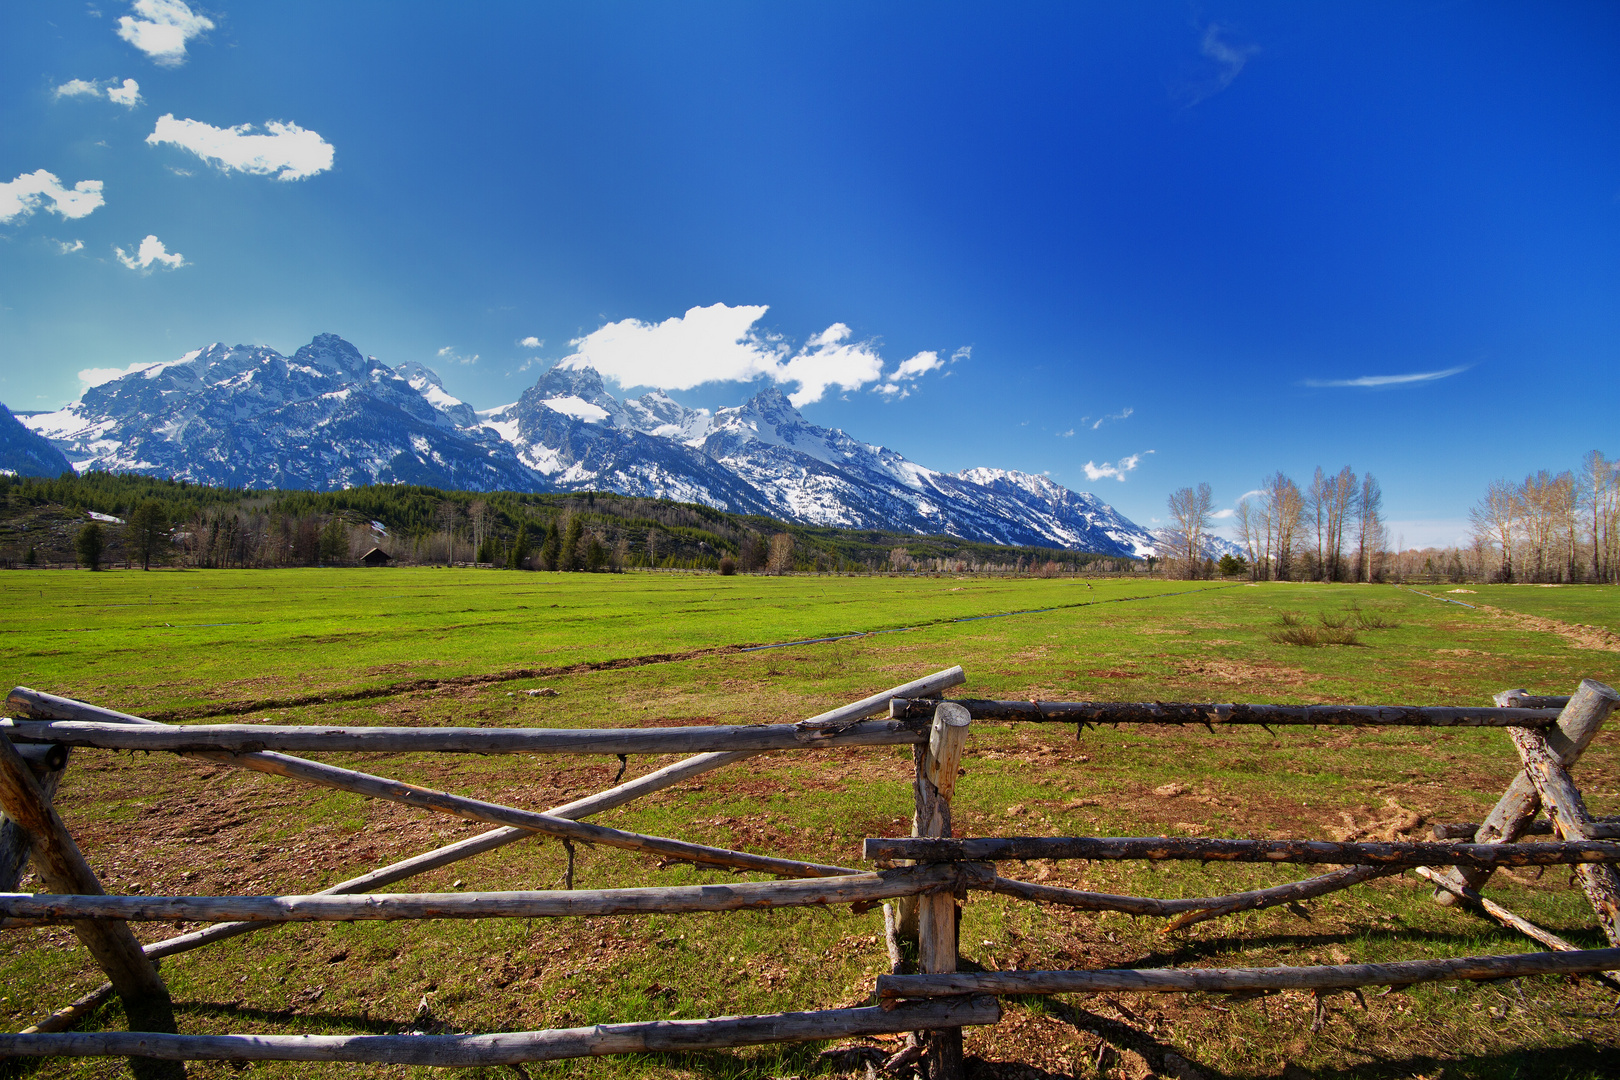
(405, 646)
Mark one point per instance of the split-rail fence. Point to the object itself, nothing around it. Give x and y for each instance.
(919, 879)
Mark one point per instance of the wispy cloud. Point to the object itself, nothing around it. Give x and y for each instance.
(161, 28)
(67, 248)
(150, 256)
(1223, 514)
(1389, 380)
(1066, 434)
(531, 342)
(285, 150)
(964, 353)
(1229, 59)
(42, 190)
(1123, 414)
(450, 355)
(1117, 470)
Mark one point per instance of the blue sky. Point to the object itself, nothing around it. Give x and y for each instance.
(1170, 242)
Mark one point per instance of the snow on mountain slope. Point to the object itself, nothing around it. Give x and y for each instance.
(328, 417)
(246, 416)
(1214, 546)
(25, 453)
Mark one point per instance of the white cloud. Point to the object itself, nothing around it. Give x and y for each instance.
(286, 151)
(1066, 434)
(1123, 414)
(67, 248)
(79, 88)
(917, 366)
(531, 342)
(127, 95)
(1117, 470)
(719, 343)
(1220, 515)
(150, 254)
(964, 353)
(829, 359)
(27, 193)
(449, 354)
(97, 375)
(1389, 380)
(921, 364)
(161, 28)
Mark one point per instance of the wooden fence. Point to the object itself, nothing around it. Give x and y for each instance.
(922, 877)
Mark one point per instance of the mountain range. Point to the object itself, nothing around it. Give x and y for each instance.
(329, 417)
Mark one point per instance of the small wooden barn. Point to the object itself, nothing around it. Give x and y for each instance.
(376, 557)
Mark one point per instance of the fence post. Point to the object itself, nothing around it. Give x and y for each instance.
(61, 867)
(14, 839)
(936, 912)
(1578, 724)
(1571, 821)
(906, 907)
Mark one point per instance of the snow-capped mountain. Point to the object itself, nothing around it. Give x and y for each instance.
(246, 416)
(1214, 546)
(328, 417)
(24, 453)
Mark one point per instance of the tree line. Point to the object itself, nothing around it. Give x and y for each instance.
(1550, 527)
(1332, 529)
(227, 528)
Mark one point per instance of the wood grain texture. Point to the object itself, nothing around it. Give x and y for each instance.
(313, 738)
(857, 888)
(510, 1048)
(1161, 848)
(1572, 822)
(62, 867)
(1579, 721)
(1338, 976)
(1216, 713)
(66, 1017)
(927, 687)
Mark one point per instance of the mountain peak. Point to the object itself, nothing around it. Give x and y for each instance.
(330, 352)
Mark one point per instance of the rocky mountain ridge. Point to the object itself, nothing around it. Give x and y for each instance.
(328, 417)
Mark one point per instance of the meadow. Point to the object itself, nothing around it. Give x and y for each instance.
(430, 646)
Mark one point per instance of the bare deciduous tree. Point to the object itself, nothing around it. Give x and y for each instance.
(1190, 508)
(1371, 536)
(781, 557)
(1495, 520)
(1282, 505)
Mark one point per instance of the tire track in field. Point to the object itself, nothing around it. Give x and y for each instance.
(237, 708)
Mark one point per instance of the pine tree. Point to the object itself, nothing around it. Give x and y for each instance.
(551, 549)
(569, 558)
(148, 530)
(334, 542)
(520, 549)
(90, 543)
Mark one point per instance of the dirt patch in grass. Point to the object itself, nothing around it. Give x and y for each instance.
(1234, 672)
(1579, 635)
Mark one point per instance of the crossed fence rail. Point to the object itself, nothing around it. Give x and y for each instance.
(920, 879)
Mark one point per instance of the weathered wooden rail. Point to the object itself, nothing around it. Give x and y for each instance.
(922, 877)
